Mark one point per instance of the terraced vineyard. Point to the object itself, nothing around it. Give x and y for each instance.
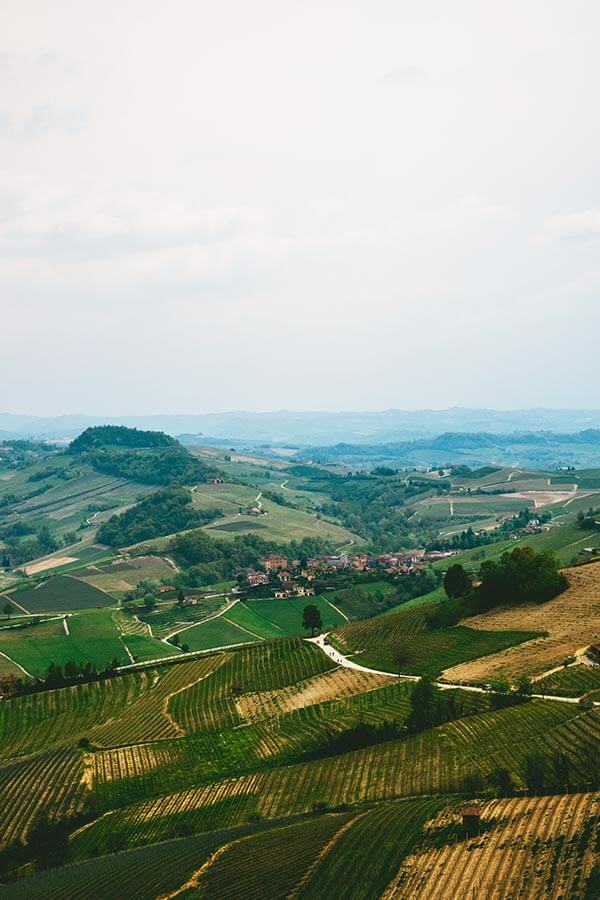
(57, 718)
(50, 783)
(210, 705)
(545, 847)
(235, 768)
(573, 681)
(375, 640)
(432, 762)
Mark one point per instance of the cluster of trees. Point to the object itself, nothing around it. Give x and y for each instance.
(359, 603)
(118, 436)
(161, 513)
(363, 734)
(63, 676)
(543, 773)
(208, 560)
(22, 544)
(520, 576)
(368, 504)
(590, 520)
(469, 539)
(150, 457)
(167, 465)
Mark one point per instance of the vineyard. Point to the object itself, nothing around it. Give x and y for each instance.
(52, 783)
(376, 640)
(202, 771)
(56, 718)
(573, 681)
(572, 621)
(545, 847)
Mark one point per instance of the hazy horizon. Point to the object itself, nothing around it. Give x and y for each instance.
(330, 205)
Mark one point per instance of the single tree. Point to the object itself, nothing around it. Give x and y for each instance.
(502, 780)
(311, 618)
(403, 657)
(8, 608)
(535, 772)
(48, 843)
(180, 598)
(525, 686)
(424, 703)
(456, 581)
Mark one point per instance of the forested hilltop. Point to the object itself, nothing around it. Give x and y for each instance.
(149, 457)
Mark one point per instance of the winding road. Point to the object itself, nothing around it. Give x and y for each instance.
(347, 663)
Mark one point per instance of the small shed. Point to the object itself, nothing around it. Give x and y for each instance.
(471, 817)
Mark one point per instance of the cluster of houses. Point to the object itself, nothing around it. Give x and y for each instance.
(284, 571)
(534, 526)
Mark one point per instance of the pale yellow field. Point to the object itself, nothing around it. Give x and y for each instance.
(333, 685)
(45, 564)
(572, 621)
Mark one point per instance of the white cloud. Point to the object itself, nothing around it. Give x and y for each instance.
(584, 225)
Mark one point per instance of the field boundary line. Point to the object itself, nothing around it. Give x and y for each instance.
(223, 658)
(337, 609)
(18, 665)
(323, 852)
(247, 630)
(14, 602)
(194, 879)
(221, 612)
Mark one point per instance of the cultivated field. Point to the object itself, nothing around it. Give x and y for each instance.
(544, 847)
(123, 575)
(373, 642)
(572, 621)
(61, 593)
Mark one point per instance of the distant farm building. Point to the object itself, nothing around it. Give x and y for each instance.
(471, 818)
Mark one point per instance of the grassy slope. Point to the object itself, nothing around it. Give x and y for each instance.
(252, 620)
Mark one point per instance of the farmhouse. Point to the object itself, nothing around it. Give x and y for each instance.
(273, 563)
(255, 578)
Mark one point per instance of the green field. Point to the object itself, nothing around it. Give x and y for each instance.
(280, 523)
(93, 638)
(143, 648)
(61, 593)
(373, 642)
(215, 633)
(251, 620)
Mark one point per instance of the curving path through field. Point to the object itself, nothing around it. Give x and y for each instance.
(342, 660)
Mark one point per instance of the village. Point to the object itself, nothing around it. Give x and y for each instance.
(294, 578)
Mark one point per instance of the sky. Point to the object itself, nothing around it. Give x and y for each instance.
(299, 204)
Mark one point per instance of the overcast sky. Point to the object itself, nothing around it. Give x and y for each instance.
(307, 205)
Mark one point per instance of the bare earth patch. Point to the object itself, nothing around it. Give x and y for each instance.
(44, 564)
(334, 685)
(572, 621)
(540, 498)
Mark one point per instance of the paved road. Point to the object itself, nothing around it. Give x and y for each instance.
(342, 660)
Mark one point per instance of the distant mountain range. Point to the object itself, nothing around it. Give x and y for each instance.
(315, 428)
